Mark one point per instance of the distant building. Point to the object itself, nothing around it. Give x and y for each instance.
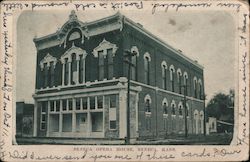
(226, 121)
(81, 83)
(24, 119)
(211, 125)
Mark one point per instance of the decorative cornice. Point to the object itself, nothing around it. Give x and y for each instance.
(47, 59)
(135, 49)
(147, 55)
(73, 49)
(103, 46)
(121, 20)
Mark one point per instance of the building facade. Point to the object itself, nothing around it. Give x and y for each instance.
(24, 119)
(81, 83)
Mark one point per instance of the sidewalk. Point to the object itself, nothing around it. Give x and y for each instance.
(214, 139)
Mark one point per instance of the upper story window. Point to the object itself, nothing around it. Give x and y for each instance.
(105, 52)
(179, 79)
(147, 60)
(48, 64)
(200, 89)
(195, 87)
(165, 106)
(147, 101)
(185, 82)
(73, 70)
(164, 74)
(172, 71)
(134, 63)
(180, 107)
(173, 105)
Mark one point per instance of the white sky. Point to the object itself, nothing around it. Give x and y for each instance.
(207, 37)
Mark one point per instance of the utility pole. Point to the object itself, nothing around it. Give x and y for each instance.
(185, 109)
(204, 122)
(128, 55)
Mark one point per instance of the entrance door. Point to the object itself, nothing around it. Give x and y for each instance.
(81, 122)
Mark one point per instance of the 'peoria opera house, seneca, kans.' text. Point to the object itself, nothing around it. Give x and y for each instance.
(81, 83)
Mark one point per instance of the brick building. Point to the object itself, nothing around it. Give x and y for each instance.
(81, 83)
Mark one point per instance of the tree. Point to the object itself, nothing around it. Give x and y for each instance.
(221, 104)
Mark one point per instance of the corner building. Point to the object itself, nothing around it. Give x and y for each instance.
(81, 83)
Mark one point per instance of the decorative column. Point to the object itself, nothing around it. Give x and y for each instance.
(122, 113)
(77, 68)
(60, 118)
(48, 124)
(83, 72)
(69, 77)
(63, 71)
(89, 118)
(74, 116)
(35, 120)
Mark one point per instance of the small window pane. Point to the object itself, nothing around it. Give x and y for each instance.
(99, 102)
(52, 106)
(84, 103)
(58, 105)
(78, 104)
(43, 117)
(70, 104)
(92, 102)
(44, 106)
(64, 104)
(112, 124)
(43, 126)
(112, 101)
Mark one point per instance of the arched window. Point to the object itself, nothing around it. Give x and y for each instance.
(164, 75)
(172, 71)
(134, 62)
(66, 76)
(105, 52)
(101, 65)
(81, 67)
(173, 105)
(179, 80)
(147, 101)
(196, 120)
(147, 60)
(165, 106)
(180, 108)
(73, 70)
(147, 106)
(185, 82)
(200, 89)
(195, 87)
(47, 65)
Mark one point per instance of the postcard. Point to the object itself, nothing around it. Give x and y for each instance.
(124, 80)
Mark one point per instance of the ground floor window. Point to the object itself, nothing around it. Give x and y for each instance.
(97, 121)
(81, 122)
(67, 123)
(54, 122)
(81, 114)
(44, 107)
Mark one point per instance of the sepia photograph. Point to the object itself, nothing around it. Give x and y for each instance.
(112, 78)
